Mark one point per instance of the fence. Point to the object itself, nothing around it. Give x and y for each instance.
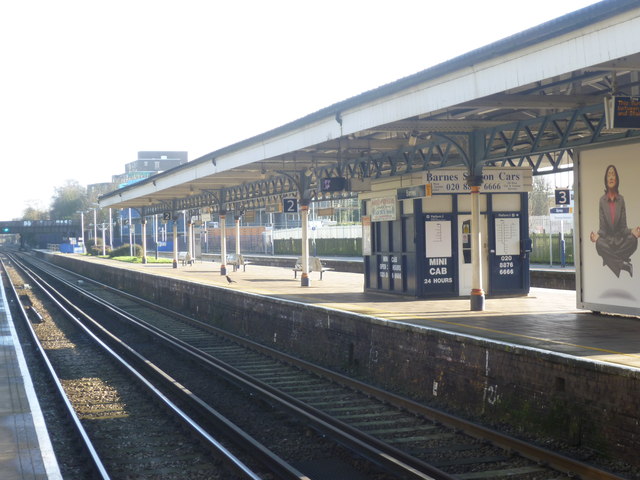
(323, 231)
(344, 240)
(546, 249)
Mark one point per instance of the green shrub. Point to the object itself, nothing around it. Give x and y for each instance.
(124, 251)
(94, 247)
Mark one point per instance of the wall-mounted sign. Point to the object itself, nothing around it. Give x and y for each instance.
(494, 180)
(396, 267)
(383, 209)
(273, 208)
(561, 213)
(383, 267)
(325, 212)
(416, 191)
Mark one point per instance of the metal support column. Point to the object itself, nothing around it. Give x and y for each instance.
(477, 293)
(84, 248)
(104, 244)
(223, 243)
(175, 242)
(237, 219)
(189, 237)
(110, 230)
(143, 222)
(130, 236)
(304, 219)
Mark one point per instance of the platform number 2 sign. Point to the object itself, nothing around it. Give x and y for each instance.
(290, 205)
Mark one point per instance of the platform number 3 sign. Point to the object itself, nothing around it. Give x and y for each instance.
(563, 196)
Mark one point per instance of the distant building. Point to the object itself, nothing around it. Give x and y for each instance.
(147, 164)
(155, 162)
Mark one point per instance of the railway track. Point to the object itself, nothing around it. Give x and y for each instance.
(429, 443)
(124, 427)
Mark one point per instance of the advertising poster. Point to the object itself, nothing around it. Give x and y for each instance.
(609, 229)
(384, 209)
(366, 235)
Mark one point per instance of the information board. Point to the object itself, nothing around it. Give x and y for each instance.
(507, 266)
(622, 112)
(438, 238)
(507, 236)
(439, 268)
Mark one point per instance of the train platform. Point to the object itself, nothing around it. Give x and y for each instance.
(25, 448)
(546, 319)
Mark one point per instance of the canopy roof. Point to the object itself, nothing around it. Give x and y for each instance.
(528, 99)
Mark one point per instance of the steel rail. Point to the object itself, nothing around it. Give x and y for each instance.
(533, 452)
(87, 445)
(59, 300)
(379, 452)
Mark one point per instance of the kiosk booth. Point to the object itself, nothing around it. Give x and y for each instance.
(417, 233)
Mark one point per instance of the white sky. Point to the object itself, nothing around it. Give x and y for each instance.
(85, 85)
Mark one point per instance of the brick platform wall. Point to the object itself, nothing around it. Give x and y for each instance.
(586, 403)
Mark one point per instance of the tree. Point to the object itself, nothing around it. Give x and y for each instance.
(68, 200)
(539, 197)
(33, 213)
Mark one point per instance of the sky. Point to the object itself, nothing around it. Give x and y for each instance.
(86, 85)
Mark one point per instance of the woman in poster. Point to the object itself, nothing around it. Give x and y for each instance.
(615, 242)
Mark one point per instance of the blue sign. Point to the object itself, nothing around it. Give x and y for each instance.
(290, 205)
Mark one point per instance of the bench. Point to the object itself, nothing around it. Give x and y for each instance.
(237, 261)
(315, 265)
(185, 258)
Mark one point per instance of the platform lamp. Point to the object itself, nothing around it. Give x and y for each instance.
(110, 229)
(95, 226)
(81, 212)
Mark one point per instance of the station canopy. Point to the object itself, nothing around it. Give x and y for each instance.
(528, 100)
